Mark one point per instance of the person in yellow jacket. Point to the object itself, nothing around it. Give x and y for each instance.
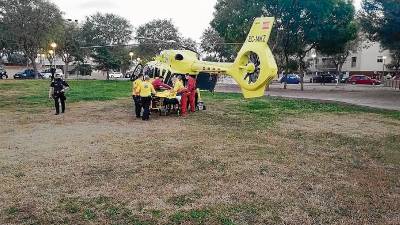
(136, 96)
(182, 94)
(145, 90)
(177, 87)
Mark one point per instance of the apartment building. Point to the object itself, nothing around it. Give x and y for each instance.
(370, 59)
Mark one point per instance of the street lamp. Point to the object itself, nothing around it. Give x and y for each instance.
(54, 46)
(131, 55)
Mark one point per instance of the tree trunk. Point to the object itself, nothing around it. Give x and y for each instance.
(339, 79)
(301, 81)
(108, 75)
(286, 72)
(66, 70)
(33, 60)
(302, 68)
(301, 76)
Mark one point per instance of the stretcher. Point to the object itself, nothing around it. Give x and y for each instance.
(165, 103)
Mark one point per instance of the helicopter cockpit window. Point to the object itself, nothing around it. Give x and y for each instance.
(168, 78)
(149, 70)
(156, 71)
(136, 72)
(179, 57)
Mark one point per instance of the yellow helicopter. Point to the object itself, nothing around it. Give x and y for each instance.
(253, 69)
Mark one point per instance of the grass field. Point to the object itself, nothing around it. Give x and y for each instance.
(263, 161)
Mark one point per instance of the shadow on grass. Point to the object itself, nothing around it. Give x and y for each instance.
(266, 111)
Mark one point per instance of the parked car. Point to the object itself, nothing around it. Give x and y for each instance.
(344, 80)
(27, 74)
(3, 73)
(47, 73)
(362, 79)
(114, 74)
(128, 74)
(290, 79)
(323, 78)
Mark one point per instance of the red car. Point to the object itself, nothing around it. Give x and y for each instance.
(362, 79)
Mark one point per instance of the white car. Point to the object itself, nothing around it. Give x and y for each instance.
(114, 74)
(47, 74)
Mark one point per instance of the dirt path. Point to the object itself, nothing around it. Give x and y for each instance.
(98, 165)
(370, 96)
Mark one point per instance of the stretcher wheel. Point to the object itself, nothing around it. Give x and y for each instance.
(163, 112)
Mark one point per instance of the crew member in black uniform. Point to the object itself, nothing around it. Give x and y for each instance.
(53, 72)
(58, 87)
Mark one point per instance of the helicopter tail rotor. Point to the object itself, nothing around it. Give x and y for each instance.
(255, 66)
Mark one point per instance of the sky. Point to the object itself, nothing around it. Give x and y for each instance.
(357, 3)
(191, 17)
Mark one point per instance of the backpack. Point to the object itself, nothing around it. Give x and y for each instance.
(58, 86)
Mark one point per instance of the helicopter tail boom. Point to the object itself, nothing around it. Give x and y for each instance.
(211, 67)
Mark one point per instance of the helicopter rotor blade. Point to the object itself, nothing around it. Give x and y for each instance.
(156, 40)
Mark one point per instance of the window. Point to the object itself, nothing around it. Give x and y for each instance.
(353, 61)
(380, 59)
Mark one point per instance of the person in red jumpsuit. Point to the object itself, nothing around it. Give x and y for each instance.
(182, 93)
(159, 84)
(191, 86)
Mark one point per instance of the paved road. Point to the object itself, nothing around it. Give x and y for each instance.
(371, 96)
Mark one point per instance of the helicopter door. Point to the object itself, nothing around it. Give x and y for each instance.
(136, 72)
(206, 81)
(168, 78)
(156, 72)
